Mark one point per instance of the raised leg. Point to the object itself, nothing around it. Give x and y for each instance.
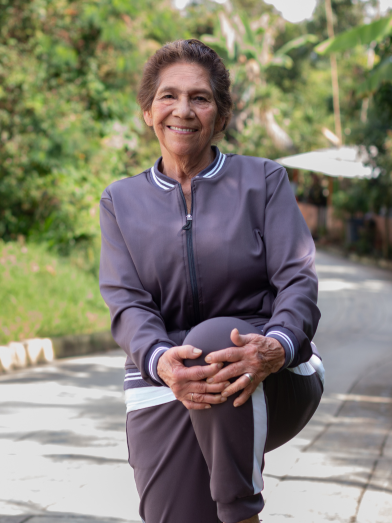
(232, 439)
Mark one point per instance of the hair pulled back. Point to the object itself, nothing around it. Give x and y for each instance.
(190, 51)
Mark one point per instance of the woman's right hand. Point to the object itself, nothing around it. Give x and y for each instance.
(188, 383)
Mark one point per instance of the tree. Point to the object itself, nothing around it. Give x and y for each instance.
(248, 49)
(375, 130)
(365, 35)
(68, 117)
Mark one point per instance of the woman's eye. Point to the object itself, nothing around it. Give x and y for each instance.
(167, 96)
(200, 99)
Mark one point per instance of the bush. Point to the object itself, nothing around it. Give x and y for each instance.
(44, 295)
(68, 116)
(351, 198)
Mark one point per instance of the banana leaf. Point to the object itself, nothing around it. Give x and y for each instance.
(250, 35)
(296, 42)
(362, 35)
(378, 75)
(281, 61)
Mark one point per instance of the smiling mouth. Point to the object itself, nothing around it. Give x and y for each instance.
(182, 130)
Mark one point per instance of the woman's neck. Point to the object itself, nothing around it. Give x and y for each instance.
(184, 168)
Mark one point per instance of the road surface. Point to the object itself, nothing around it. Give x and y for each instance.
(63, 455)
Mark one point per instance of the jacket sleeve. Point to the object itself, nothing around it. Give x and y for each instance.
(290, 255)
(137, 325)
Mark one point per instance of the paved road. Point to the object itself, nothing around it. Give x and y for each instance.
(63, 452)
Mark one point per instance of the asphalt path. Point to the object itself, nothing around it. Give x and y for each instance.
(63, 454)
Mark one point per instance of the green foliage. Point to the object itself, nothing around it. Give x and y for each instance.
(262, 108)
(44, 295)
(362, 35)
(351, 198)
(68, 118)
(375, 129)
(380, 74)
(236, 38)
(254, 8)
(69, 71)
(69, 125)
(377, 135)
(347, 14)
(367, 34)
(296, 43)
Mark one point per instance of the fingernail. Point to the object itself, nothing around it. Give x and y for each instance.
(223, 398)
(207, 407)
(219, 365)
(235, 404)
(196, 351)
(208, 359)
(210, 380)
(225, 394)
(227, 384)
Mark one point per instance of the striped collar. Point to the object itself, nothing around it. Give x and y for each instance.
(166, 183)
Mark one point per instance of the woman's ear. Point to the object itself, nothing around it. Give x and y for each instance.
(148, 117)
(220, 124)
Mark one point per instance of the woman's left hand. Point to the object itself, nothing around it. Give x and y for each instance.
(255, 354)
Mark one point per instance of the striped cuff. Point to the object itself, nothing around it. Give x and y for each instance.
(288, 341)
(151, 361)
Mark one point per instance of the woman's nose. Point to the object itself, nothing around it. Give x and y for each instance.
(183, 108)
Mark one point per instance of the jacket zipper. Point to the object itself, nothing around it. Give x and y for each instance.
(191, 259)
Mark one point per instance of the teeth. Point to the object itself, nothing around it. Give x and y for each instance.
(182, 130)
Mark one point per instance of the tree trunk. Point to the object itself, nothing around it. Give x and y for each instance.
(334, 74)
(386, 238)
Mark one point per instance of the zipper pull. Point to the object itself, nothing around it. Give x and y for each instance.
(188, 225)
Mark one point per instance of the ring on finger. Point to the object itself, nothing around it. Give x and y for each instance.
(249, 376)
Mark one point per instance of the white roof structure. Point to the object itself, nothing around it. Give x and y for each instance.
(346, 162)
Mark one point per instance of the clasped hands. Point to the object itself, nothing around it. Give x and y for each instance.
(202, 386)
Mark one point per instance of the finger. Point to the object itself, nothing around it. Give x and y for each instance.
(244, 396)
(191, 405)
(239, 339)
(231, 354)
(230, 371)
(200, 373)
(242, 339)
(215, 387)
(214, 399)
(188, 352)
(202, 387)
(238, 385)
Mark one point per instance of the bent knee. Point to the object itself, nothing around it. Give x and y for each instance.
(213, 335)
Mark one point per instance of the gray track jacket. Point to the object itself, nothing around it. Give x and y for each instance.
(245, 251)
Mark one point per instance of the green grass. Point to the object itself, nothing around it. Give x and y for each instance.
(44, 295)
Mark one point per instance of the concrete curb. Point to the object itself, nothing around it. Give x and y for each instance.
(66, 346)
(36, 351)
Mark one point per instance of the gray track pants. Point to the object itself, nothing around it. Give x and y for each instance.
(205, 466)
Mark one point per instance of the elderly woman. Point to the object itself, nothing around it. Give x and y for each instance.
(208, 270)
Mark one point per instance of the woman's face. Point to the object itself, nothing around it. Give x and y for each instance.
(184, 114)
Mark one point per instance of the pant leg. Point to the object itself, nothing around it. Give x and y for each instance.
(170, 471)
(191, 465)
(292, 399)
(233, 439)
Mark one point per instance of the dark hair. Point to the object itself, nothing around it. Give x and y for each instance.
(191, 51)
